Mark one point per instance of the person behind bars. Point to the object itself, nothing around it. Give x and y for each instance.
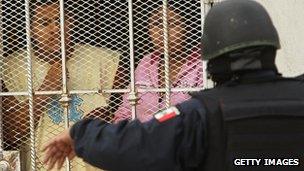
(185, 65)
(252, 112)
(88, 68)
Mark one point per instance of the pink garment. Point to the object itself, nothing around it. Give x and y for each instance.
(146, 76)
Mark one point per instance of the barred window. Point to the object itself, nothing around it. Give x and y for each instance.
(66, 60)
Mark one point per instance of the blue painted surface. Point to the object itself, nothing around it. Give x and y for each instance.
(55, 110)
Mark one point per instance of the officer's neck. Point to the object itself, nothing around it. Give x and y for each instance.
(250, 77)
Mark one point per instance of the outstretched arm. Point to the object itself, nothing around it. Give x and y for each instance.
(157, 144)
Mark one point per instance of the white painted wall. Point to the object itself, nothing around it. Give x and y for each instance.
(288, 17)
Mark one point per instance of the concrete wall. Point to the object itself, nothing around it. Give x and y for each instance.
(288, 17)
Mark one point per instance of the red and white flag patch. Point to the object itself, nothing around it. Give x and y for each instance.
(167, 114)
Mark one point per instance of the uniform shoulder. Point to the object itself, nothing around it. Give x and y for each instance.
(192, 105)
(301, 77)
(204, 92)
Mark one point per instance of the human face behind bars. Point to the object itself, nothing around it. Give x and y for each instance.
(176, 30)
(46, 32)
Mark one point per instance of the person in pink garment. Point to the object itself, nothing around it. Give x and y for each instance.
(185, 67)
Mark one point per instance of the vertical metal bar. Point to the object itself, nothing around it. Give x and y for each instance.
(205, 7)
(166, 53)
(1, 76)
(63, 47)
(133, 92)
(64, 99)
(30, 84)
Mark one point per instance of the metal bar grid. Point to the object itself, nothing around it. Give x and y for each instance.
(139, 90)
(66, 92)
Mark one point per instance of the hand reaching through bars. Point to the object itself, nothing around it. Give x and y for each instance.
(58, 149)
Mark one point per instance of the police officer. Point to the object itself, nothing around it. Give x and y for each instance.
(252, 113)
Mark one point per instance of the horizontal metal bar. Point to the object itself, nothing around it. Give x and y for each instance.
(141, 90)
(172, 89)
(14, 93)
(24, 93)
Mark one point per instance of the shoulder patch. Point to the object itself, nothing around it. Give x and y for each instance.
(167, 114)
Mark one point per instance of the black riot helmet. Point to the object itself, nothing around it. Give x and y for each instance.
(239, 35)
(236, 24)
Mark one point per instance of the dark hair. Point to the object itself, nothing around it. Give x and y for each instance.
(36, 3)
(187, 9)
(69, 9)
(14, 22)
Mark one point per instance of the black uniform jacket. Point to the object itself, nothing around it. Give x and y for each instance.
(174, 144)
